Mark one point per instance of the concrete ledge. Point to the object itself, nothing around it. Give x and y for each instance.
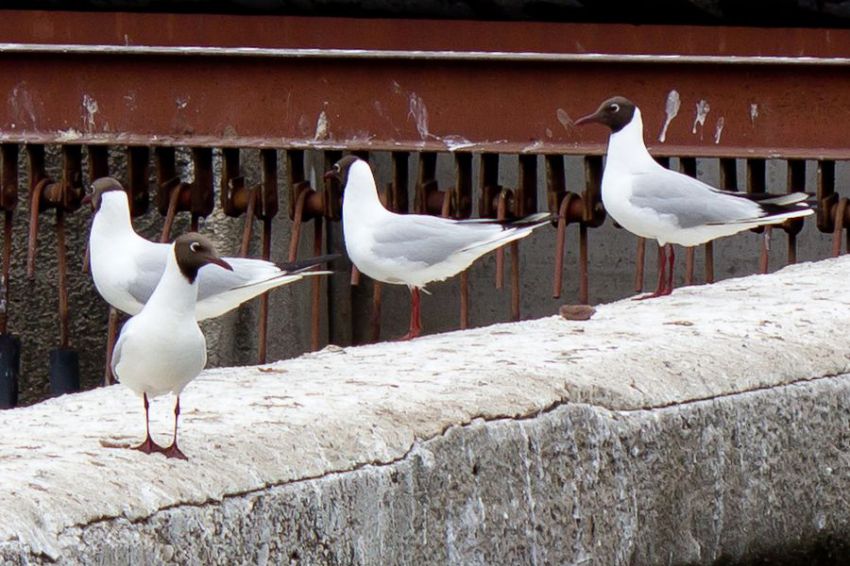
(708, 426)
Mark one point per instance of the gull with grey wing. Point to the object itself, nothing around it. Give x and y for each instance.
(659, 204)
(413, 249)
(126, 267)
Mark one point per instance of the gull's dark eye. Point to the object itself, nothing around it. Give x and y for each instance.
(614, 108)
(195, 246)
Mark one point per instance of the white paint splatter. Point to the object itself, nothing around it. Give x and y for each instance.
(754, 113)
(22, 106)
(130, 100)
(419, 113)
(671, 108)
(90, 108)
(718, 130)
(564, 118)
(182, 103)
(534, 146)
(69, 135)
(549, 133)
(702, 112)
(322, 127)
(455, 142)
(304, 125)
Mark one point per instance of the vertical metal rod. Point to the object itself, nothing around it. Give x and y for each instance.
(765, 250)
(560, 247)
(640, 261)
(840, 211)
(827, 199)
(689, 265)
(35, 154)
(501, 214)
(583, 289)
(375, 320)
(7, 262)
(62, 272)
(269, 206)
(463, 208)
(173, 197)
(515, 315)
(796, 182)
(316, 287)
(709, 262)
(248, 229)
(297, 223)
(728, 182)
(111, 336)
(262, 348)
(792, 247)
(464, 300)
(757, 183)
(688, 166)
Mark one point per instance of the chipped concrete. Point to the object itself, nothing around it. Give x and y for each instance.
(709, 425)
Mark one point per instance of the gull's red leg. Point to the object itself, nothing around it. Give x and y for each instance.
(671, 254)
(415, 315)
(173, 451)
(148, 446)
(662, 270)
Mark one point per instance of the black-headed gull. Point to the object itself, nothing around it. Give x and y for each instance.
(126, 267)
(162, 349)
(413, 249)
(659, 204)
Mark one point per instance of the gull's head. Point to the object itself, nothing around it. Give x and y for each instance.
(100, 187)
(341, 169)
(194, 251)
(616, 113)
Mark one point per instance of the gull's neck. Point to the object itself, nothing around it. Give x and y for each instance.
(361, 194)
(174, 294)
(626, 150)
(112, 221)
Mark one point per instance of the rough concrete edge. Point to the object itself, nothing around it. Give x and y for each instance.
(26, 554)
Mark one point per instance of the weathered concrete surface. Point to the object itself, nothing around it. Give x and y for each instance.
(708, 426)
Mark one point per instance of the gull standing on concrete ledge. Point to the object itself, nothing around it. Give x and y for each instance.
(657, 203)
(126, 267)
(162, 349)
(413, 249)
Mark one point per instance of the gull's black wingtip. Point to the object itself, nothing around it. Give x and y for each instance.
(300, 265)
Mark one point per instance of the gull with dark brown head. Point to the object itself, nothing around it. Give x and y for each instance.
(413, 249)
(126, 267)
(161, 349)
(654, 202)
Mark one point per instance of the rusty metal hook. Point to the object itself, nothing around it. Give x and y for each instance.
(570, 210)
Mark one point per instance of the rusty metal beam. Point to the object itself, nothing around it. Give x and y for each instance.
(171, 79)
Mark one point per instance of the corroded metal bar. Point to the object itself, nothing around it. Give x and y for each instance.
(178, 87)
(688, 166)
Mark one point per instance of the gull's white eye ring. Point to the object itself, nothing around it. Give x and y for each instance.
(195, 246)
(615, 107)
